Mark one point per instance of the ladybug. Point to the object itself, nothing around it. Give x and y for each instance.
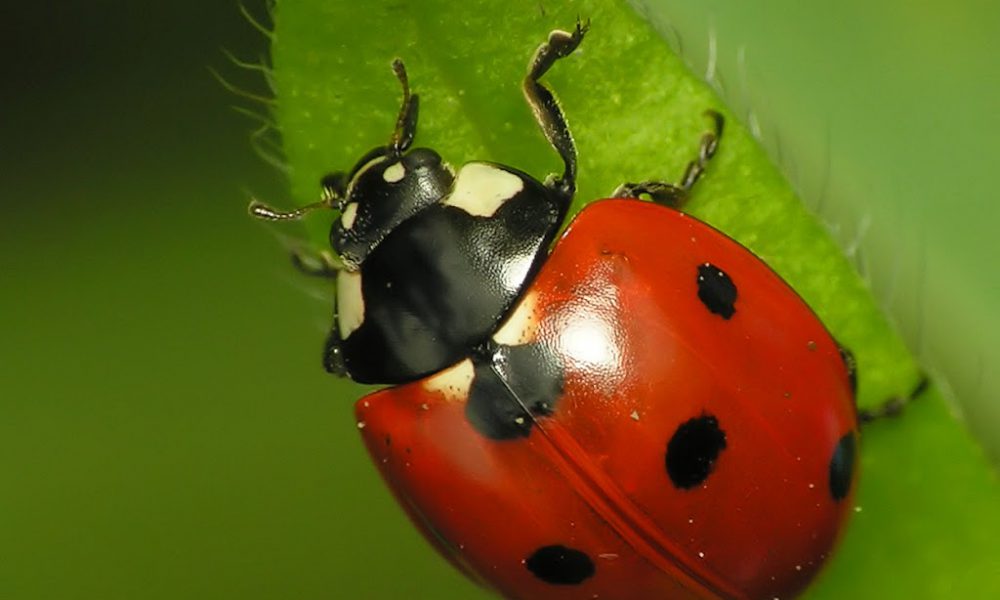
(639, 409)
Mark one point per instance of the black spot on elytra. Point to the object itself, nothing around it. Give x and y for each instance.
(852, 367)
(693, 450)
(560, 565)
(842, 466)
(512, 386)
(716, 290)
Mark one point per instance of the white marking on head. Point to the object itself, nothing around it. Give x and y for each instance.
(521, 327)
(350, 302)
(364, 169)
(480, 189)
(453, 383)
(394, 173)
(347, 217)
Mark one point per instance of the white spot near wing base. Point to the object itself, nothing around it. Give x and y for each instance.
(350, 302)
(454, 382)
(480, 189)
(521, 327)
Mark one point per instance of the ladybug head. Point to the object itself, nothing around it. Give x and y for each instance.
(388, 185)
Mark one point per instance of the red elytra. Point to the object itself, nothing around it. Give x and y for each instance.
(757, 410)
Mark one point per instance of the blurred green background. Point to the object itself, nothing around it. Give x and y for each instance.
(165, 428)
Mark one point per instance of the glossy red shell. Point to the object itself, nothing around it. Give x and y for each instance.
(618, 300)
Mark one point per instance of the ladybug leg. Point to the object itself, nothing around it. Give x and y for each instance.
(546, 109)
(671, 194)
(706, 150)
(895, 405)
(323, 264)
(660, 192)
(333, 356)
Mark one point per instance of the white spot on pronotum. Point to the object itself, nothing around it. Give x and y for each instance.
(394, 173)
(454, 382)
(635, 415)
(521, 326)
(350, 213)
(701, 555)
(480, 189)
(350, 303)
(361, 424)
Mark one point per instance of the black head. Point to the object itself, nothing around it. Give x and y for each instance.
(385, 188)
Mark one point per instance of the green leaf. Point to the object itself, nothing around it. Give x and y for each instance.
(928, 519)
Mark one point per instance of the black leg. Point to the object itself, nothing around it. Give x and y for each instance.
(333, 357)
(406, 122)
(706, 150)
(671, 194)
(661, 192)
(893, 406)
(546, 108)
(318, 265)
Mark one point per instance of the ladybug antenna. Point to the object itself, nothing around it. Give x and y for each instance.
(332, 197)
(265, 212)
(406, 122)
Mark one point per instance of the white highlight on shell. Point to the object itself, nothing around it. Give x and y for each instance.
(350, 213)
(590, 342)
(453, 383)
(394, 173)
(521, 327)
(350, 302)
(480, 189)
